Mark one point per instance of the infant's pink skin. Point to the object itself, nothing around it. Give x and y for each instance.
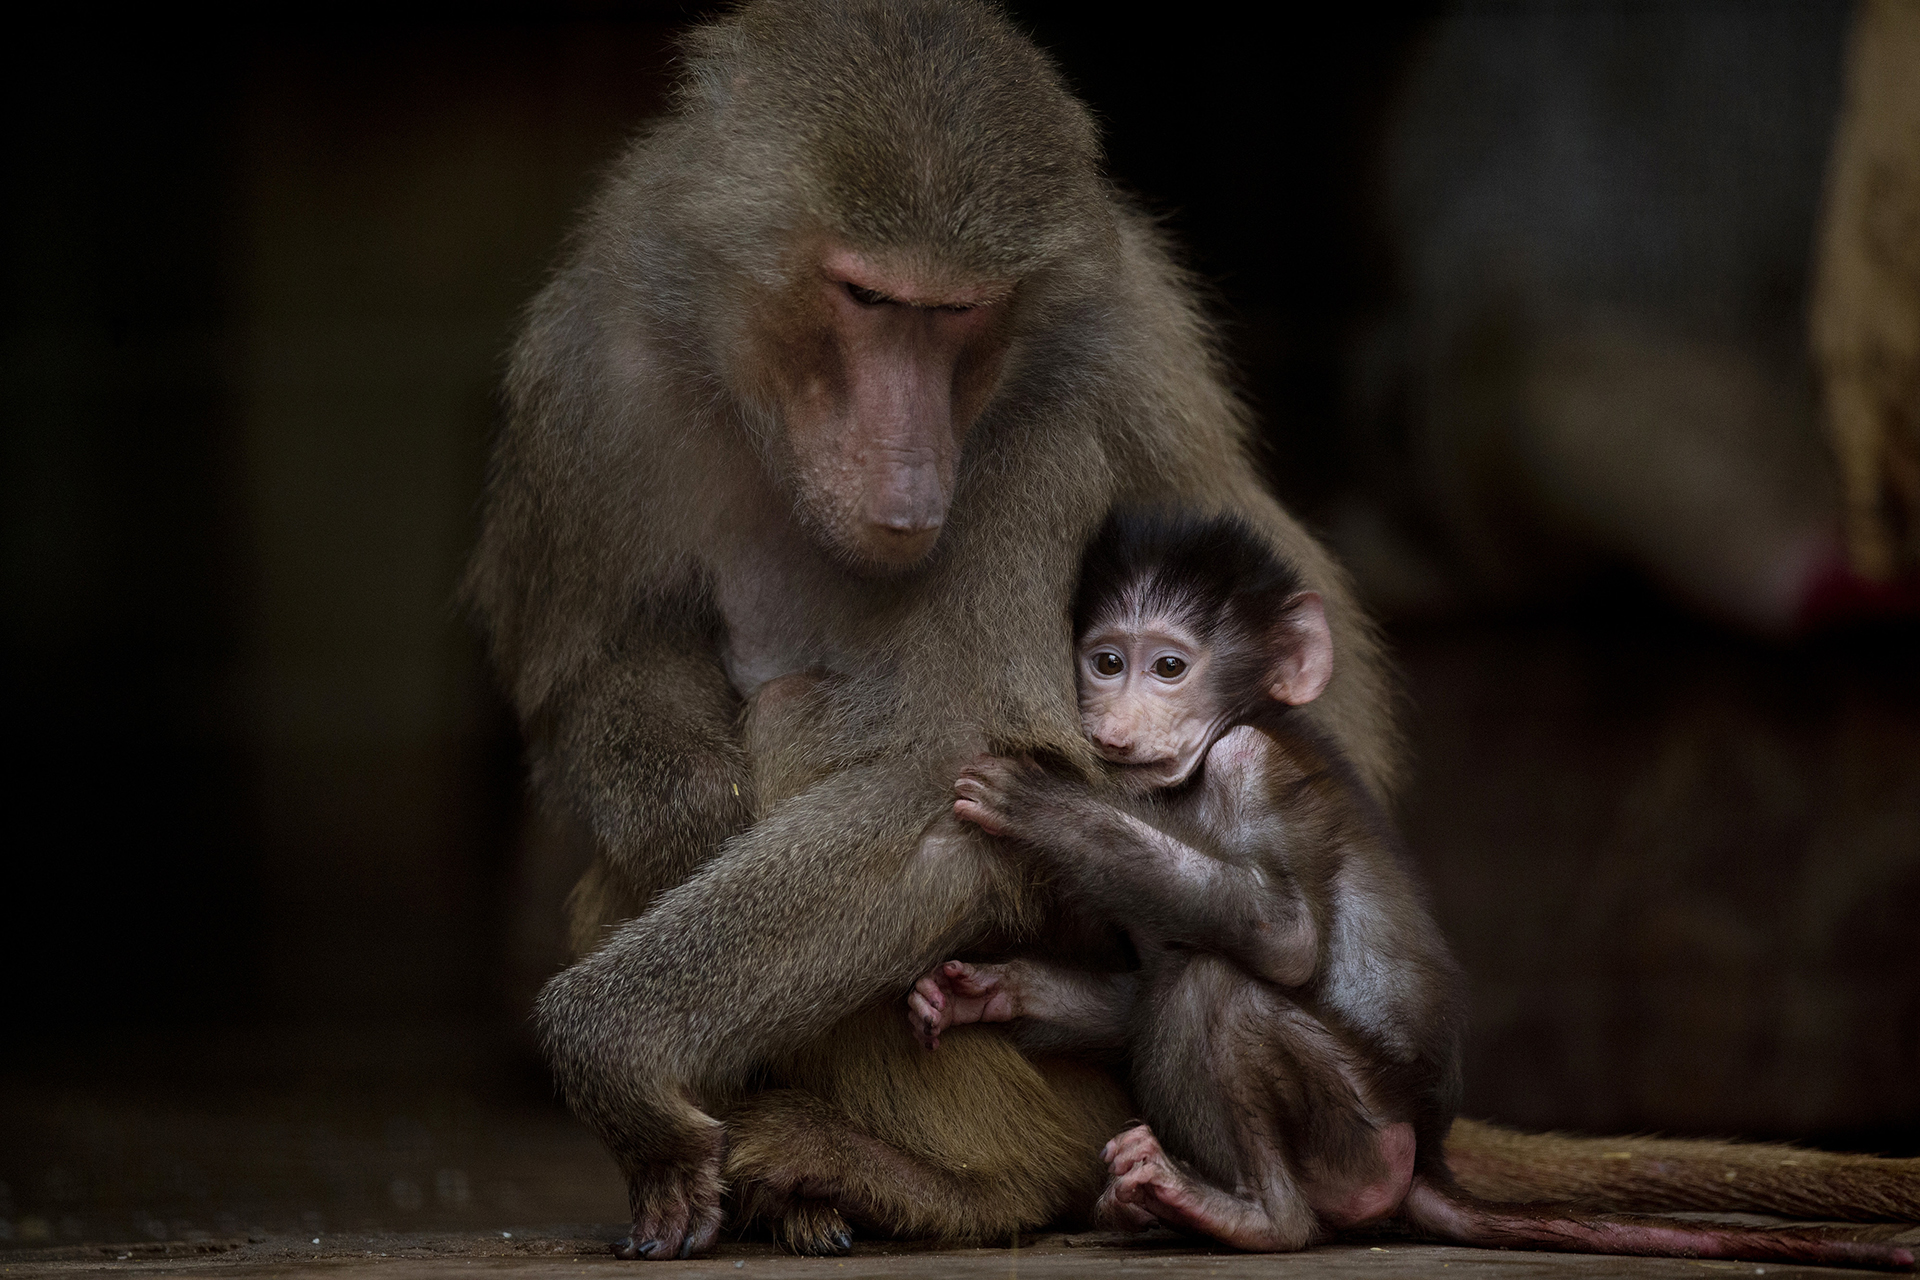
(1146, 1185)
(980, 792)
(956, 993)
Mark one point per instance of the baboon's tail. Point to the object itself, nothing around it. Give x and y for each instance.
(1662, 1175)
(1447, 1213)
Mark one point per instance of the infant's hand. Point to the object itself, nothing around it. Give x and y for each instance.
(956, 993)
(983, 791)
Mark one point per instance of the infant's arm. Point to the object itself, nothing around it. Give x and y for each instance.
(1124, 867)
(1056, 1009)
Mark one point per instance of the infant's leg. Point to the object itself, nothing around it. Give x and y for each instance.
(1058, 1009)
(1269, 1141)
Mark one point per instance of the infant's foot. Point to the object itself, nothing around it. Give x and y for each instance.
(956, 993)
(1146, 1185)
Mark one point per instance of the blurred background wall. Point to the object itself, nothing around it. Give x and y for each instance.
(1519, 292)
(260, 285)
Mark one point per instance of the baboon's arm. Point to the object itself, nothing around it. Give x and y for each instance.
(1121, 865)
(648, 754)
(794, 925)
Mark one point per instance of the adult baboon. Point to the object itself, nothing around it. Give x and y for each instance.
(852, 353)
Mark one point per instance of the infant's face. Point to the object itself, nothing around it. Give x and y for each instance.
(1146, 699)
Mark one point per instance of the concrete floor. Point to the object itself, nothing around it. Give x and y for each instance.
(353, 1171)
(579, 1251)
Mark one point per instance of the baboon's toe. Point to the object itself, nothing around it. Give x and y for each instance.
(814, 1229)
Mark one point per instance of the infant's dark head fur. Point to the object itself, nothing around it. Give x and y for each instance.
(1212, 573)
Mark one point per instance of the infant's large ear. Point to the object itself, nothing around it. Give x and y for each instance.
(1302, 651)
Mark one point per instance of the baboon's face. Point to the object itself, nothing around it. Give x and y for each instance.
(876, 369)
(1148, 699)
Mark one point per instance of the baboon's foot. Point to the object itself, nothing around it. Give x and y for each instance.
(956, 993)
(676, 1210)
(1144, 1179)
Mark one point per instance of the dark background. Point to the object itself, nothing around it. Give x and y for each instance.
(258, 280)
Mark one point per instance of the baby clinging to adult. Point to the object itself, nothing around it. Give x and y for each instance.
(1223, 849)
(1293, 1028)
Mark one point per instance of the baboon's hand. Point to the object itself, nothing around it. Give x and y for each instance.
(988, 791)
(676, 1208)
(956, 993)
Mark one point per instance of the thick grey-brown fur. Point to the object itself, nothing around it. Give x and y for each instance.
(645, 527)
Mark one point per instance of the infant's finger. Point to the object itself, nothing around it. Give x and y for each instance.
(930, 990)
(957, 969)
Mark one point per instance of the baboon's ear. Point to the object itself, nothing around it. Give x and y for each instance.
(1302, 651)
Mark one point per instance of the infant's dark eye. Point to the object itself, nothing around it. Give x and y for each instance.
(866, 297)
(1108, 664)
(1169, 667)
